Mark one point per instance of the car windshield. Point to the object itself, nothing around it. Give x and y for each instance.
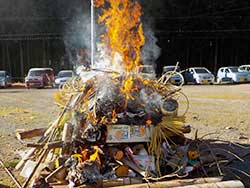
(37, 73)
(146, 69)
(201, 71)
(2, 74)
(167, 69)
(65, 74)
(234, 69)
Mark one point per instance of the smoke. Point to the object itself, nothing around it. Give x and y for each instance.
(150, 51)
(79, 37)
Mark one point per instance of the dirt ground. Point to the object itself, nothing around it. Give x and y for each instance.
(222, 111)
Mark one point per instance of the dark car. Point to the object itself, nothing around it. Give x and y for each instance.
(173, 74)
(40, 78)
(5, 79)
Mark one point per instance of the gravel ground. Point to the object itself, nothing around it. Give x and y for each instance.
(222, 111)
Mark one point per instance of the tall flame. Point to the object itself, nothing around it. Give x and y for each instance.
(124, 32)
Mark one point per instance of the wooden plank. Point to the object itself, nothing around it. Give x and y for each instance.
(170, 183)
(27, 134)
(224, 184)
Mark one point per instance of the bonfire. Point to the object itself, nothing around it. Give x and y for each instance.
(114, 123)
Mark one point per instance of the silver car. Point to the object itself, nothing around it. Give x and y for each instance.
(5, 79)
(245, 68)
(232, 73)
(198, 75)
(62, 77)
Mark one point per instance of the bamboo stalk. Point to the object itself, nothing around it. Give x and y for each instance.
(45, 152)
(50, 176)
(224, 184)
(10, 174)
(42, 139)
(190, 184)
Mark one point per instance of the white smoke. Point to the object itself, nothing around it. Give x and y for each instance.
(77, 37)
(150, 51)
(81, 39)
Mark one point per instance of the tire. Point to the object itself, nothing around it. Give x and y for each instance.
(218, 81)
(5, 85)
(53, 85)
(195, 82)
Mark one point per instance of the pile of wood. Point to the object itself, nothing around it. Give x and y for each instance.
(115, 130)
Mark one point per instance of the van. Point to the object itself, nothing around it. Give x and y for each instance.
(40, 78)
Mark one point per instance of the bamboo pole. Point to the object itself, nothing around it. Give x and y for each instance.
(224, 184)
(10, 174)
(174, 183)
(43, 155)
(41, 140)
(92, 34)
(181, 184)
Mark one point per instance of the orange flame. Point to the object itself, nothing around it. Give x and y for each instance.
(114, 116)
(124, 32)
(128, 87)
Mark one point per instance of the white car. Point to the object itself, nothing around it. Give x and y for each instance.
(5, 79)
(63, 76)
(198, 75)
(245, 68)
(233, 73)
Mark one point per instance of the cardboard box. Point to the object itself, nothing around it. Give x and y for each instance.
(128, 133)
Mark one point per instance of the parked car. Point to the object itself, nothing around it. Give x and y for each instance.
(5, 79)
(232, 73)
(245, 68)
(40, 77)
(62, 77)
(146, 71)
(198, 75)
(176, 78)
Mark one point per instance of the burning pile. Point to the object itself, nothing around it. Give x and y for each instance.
(110, 128)
(113, 124)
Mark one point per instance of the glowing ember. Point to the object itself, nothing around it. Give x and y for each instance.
(149, 122)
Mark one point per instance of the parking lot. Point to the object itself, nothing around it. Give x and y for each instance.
(222, 110)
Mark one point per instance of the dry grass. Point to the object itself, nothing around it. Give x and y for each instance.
(17, 114)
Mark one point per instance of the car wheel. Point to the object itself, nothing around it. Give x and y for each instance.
(5, 85)
(195, 82)
(218, 81)
(53, 85)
